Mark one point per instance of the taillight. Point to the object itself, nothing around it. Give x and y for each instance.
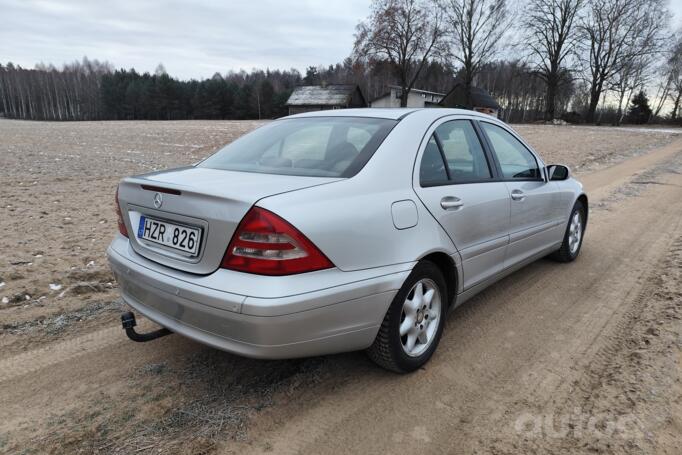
(121, 225)
(265, 244)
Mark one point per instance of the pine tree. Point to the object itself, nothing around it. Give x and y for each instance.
(639, 112)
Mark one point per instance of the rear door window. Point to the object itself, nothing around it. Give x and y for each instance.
(454, 154)
(432, 168)
(463, 152)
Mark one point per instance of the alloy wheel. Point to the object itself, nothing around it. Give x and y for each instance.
(420, 317)
(575, 232)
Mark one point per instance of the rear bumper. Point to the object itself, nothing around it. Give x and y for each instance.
(312, 314)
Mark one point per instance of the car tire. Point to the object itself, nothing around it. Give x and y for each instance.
(573, 237)
(408, 337)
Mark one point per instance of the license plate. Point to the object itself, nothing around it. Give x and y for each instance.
(174, 236)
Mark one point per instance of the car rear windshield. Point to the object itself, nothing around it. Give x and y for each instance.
(316, 147)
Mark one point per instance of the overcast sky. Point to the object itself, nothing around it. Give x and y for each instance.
(192, 38)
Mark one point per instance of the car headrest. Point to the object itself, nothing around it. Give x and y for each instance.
(341, 152)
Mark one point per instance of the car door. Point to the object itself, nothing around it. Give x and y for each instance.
(456, 182)
(534, 199)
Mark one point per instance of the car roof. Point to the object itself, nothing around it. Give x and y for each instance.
(389, 113)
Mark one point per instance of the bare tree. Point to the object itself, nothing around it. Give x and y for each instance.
(406, 33)
(661, 95)
(674, 65)
(618, 32)
(551, 37)
(476, 28)
(518, 89)
(630, 77)
(45, 93)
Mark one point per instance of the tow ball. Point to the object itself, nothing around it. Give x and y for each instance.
(128, 322)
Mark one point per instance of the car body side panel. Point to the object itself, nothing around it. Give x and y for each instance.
(354, 228)
(479, 287)
(351, 220)
(479, 229)
(534, 222)
(569, 190)
(538, 220)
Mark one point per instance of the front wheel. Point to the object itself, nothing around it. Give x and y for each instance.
(414, 322)
(573, 238)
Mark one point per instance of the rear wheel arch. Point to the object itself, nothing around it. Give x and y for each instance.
(446, 265)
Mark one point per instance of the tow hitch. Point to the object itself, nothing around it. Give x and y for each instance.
(128, 322)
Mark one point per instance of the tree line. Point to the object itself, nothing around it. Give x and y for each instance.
(90, 90)
(581, 60)
(93, 90)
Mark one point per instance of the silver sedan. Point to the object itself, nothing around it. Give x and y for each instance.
(341, 230)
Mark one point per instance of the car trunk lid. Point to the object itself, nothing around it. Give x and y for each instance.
(212, 200)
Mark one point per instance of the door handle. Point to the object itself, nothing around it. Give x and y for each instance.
(518, 195)
(451, 203)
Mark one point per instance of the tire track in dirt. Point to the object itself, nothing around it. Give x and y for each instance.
(62, 351)
(624, 377)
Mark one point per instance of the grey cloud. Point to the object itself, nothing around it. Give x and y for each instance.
(192, 39)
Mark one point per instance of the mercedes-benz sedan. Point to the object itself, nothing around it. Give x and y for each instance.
(341, 230)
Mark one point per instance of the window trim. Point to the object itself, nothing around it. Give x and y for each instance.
(491, 167)
(439, 144)
(488, 144)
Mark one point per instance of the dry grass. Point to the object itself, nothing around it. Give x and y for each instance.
(185, 409)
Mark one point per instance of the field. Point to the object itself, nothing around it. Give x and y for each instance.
(593, 346)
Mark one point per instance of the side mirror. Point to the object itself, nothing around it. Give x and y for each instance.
(558, 172)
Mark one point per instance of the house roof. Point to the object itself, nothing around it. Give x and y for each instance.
(316, 95)
(414, 90)
(479, 98)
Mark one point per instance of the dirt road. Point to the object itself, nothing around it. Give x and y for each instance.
(577, 358)
(550, 346)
